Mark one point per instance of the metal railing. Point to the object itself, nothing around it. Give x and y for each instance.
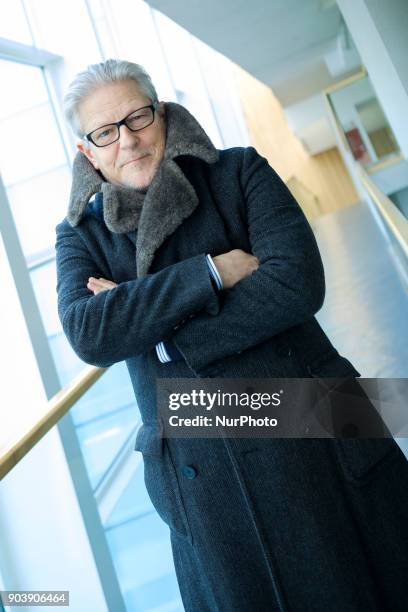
(389, 213)
(392, 216)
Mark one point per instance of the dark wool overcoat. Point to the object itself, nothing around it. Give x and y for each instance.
(256, 524)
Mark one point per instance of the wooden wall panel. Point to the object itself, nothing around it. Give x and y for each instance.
(323, 175)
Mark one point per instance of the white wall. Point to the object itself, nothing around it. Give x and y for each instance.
(309, 122)
(379, 29)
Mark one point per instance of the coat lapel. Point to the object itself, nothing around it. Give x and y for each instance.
(170, 199)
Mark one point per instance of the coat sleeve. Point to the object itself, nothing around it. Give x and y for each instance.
(134, 316)
(287, 289)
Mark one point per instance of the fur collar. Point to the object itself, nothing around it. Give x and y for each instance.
(169, 200)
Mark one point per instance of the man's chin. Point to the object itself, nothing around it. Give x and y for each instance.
(137, 184)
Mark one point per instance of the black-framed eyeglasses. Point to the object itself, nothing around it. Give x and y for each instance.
(110, 133)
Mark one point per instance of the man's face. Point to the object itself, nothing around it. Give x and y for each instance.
(119, 161)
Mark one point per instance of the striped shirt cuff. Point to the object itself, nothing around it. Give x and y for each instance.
(162, 354)
(214, 272)
(161, 351)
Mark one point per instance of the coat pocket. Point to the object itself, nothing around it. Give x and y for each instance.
(365, 459)
(161, 480)
(363, 444)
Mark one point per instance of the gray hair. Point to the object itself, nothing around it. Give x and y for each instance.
(97, 75)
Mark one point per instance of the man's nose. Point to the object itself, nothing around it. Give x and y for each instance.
(127, 137)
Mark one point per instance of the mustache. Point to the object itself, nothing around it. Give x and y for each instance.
(134, 157)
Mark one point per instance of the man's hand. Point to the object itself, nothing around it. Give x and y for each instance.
(100, 284)
(234, 266)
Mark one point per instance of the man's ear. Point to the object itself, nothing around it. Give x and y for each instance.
(88, 154)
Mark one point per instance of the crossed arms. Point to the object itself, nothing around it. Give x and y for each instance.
(131, 318)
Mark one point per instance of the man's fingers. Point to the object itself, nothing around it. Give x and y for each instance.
(100, 284)
(100, 281)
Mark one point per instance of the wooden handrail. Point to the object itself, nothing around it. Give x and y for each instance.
(57, 407)
(394, 218)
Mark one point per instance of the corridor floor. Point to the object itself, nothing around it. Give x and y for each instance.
(365, 312)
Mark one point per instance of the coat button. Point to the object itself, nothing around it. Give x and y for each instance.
(189, 471)
(284, 351)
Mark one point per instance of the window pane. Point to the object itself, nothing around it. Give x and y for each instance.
(44, 282)
(146, 538)
(38, 205)
(32, 158)
(101, 439)
(19, 80)
(13, 23)
(30, 144)
(187, 75)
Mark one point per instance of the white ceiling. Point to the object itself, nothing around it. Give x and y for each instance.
(281, 42)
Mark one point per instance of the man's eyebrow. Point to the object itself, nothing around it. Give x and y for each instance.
(99, 125)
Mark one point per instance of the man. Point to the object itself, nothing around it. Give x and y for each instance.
(191, 262)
